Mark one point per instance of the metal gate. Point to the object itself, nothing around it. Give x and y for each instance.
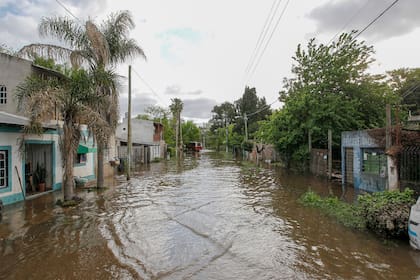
(348, 179)
(410, 168)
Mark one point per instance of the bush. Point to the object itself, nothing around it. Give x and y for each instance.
(345, 213)
(247, 145)
(386, 213)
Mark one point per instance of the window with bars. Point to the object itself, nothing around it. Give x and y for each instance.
(4, 176)
(374, 162)
(3, 94)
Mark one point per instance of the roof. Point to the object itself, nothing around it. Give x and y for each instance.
(7, 118)
(11, 119)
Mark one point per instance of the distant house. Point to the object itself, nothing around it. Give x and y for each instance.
(146, 137)
(368, 166)
(22, 155)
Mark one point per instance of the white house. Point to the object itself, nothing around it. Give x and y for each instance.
(22, 155)
(146, 137)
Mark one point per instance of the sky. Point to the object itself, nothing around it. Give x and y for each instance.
(199, 50)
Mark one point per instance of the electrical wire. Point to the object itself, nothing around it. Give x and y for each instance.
(67, 10)
(349, 21)
(376, 18)
(263, 33)
(269, 40)
(262, 109)
(147, 84)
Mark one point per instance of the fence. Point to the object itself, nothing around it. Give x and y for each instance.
(409, 171)
(139, 154)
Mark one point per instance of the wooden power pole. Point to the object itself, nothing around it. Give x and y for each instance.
(129, 125)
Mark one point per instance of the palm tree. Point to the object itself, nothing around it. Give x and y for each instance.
(72, 94)
(100, 49)
(176, 109)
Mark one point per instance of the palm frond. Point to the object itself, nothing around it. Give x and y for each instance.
(66, 30)
(37, 99)
(118, 23)
(126, 48)
(116, 29)
(57, 53)
(99, 44)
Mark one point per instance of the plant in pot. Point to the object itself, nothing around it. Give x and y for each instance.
(40, 176)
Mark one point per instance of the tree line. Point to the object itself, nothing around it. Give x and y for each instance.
(330, 88)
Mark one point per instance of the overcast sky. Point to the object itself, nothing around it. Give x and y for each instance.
(199, 50)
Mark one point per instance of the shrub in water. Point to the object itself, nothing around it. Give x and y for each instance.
(387, 213)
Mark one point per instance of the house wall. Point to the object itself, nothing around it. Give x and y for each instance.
(87, 169)
(359, 140)
(9, 138)
(142, 131)
(13, 71)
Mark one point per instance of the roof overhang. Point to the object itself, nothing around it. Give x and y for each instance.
(83, 149)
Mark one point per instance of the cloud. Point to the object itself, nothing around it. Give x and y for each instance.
(139, 102)
(19, 19)
(198, 108)
(176, 91)
(401, 19)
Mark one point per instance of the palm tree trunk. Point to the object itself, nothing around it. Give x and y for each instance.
(68, 153)
(176, 137)
(100, 167)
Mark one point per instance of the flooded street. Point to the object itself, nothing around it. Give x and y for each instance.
(209, 218)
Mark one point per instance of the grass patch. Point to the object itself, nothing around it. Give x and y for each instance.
(346, 214)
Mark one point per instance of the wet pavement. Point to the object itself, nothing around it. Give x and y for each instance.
(208, 218)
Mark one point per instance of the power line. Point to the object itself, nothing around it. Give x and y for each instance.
(349, 21)
(262, 109)
(263, 33)
(67, 10)
(376, 18)
(269, 39)
(147, 84)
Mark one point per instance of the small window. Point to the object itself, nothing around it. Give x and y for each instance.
(4, 169)
(374, 162)
(3, 94)
(81, 158)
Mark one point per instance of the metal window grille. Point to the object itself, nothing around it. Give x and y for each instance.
(3, 169)
(374, 161)
(3, 94)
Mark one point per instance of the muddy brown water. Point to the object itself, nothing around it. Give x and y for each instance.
(208, 218)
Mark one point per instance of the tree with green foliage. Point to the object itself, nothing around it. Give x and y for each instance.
(252, 107)
(73, 95)
(406, 84)
(225, 112)
(190, 132)
(330, 90)
(176, 108)
(99, 48)
(156, 112)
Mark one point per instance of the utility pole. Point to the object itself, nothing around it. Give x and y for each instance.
(310, 141)
(176, 136)
(388, 142)
(329, 154)
(246, 127)
(129, 125)
(227, 134)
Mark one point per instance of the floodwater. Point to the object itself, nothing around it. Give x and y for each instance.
(208, 218)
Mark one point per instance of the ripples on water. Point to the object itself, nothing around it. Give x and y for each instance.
(209, 218)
